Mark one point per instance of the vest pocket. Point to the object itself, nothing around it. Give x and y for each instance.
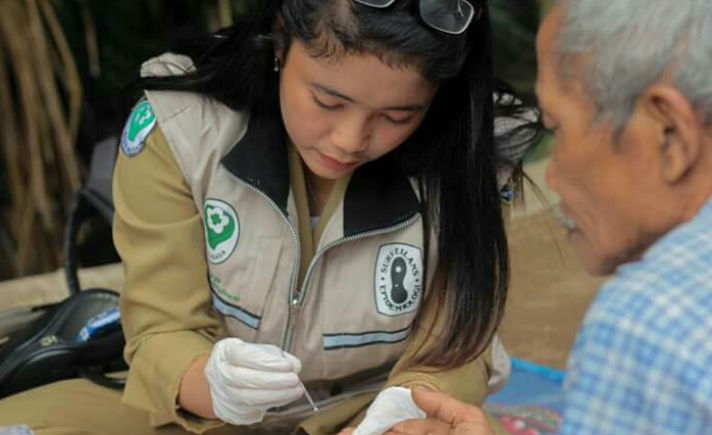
(358, 333)
(356, 337)
(353, 352)
(241, 287)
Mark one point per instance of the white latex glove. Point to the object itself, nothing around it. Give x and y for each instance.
(247, 379)
(391, 406)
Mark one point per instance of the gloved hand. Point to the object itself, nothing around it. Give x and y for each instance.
(247, 379)
(391, 406)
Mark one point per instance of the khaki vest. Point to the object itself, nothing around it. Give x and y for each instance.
(350, 316)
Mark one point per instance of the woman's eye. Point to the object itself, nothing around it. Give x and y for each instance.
(398, 121)
(323, 105)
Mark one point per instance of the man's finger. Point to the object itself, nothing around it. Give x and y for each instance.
(446, 408)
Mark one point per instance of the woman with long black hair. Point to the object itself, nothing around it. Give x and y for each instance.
(307, 207)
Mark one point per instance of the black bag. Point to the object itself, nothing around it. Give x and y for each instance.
(80, 336)
(48, 349)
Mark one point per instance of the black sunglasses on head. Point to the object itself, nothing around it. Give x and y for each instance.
(448, 16)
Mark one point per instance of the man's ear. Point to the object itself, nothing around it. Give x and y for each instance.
(678, 130)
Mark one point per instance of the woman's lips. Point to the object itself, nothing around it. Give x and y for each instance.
(336, 164)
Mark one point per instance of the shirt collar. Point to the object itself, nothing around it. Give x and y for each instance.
(706, 208)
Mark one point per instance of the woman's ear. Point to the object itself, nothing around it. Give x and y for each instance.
(278, 39)
(679, 130)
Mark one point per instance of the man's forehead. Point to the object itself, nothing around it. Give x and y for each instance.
(544, 47)
(548, 28)
(557, 73)
(546, 37)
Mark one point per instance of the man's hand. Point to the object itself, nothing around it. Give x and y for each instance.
(446, 416)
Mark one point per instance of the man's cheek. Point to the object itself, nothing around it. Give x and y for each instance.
(594, 260)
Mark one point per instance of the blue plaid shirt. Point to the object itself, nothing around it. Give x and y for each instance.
(642, 361)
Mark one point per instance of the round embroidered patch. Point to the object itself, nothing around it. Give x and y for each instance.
(398, 279)
(222, 230)
(138, 127)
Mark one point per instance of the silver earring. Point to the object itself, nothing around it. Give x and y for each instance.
(277, 64)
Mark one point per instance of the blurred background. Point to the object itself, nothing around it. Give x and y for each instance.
(63, 65)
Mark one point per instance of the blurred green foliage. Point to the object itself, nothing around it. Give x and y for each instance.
(514, 25)
(126, 33)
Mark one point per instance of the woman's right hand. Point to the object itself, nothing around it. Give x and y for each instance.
(247, 379)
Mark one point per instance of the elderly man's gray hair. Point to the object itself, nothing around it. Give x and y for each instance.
(632, 44)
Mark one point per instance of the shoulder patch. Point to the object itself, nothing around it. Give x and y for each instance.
(140, 124)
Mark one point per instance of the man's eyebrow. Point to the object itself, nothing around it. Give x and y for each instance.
(337, 94)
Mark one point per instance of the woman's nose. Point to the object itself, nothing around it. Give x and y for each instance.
(351, 134)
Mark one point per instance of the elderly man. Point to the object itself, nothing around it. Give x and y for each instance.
(626, 88)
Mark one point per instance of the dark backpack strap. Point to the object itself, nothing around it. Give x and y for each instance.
(93, 199)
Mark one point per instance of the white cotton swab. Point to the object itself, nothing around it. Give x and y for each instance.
(306, 392)
(308, 396)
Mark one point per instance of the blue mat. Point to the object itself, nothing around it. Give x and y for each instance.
(532, 401)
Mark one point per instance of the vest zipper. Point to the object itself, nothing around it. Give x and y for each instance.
(295, 237)
(296, 300)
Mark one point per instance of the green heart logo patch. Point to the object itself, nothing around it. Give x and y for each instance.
(222, 230)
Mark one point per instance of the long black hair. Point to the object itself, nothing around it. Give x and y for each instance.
(452, 154)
